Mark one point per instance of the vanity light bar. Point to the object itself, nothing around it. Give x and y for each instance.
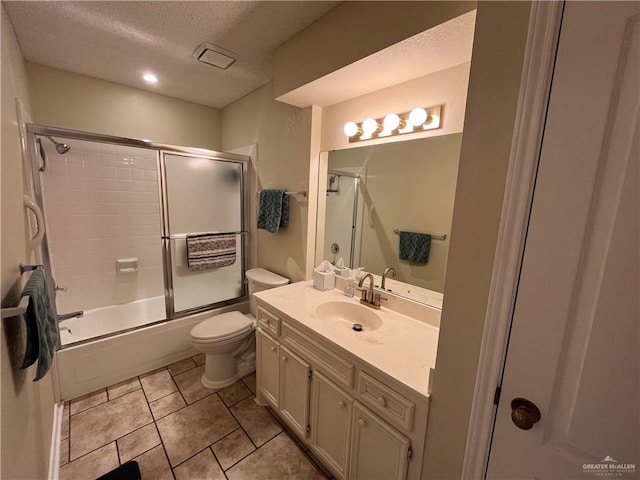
(417, 120)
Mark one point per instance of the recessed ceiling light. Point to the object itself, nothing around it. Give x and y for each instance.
(150, 77)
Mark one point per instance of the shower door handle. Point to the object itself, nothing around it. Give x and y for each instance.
(35, 241)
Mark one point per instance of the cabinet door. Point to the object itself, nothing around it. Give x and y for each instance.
(268, 368)
(294, 391)
(378, 451)
(330, 424)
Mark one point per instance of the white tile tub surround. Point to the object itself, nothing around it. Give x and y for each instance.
(101, 204)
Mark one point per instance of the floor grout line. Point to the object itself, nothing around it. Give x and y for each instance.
(228, 408)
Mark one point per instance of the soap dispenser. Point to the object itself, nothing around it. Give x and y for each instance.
(350, 288)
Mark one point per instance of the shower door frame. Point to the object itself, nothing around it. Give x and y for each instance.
(34, 157)
(354, 218)
(166, 237)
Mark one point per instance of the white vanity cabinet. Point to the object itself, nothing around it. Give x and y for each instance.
(295, 376)
(359, 423)
(268, 368)
(378, 451)
(330, 424)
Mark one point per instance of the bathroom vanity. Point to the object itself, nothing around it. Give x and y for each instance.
(358, 399)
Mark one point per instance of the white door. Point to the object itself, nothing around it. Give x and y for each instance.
(573, 350)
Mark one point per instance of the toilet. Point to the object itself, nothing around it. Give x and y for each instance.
(226, 338)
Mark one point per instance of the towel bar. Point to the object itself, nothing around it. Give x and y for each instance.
(179, 236)
(301, 192)
(27, 268)
(24, 301)
(435, 236)
(18, 309)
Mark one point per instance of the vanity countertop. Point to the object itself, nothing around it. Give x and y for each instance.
(403, 347)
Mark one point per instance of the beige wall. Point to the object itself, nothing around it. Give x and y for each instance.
(411, 186)
(494, 83)
(447, 87)
(352, 31)
(70, 100)
(283, 136)
(27, 407)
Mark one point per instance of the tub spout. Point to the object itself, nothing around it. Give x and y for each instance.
(67, 316)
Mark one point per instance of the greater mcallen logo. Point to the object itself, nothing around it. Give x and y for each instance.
(609, 467)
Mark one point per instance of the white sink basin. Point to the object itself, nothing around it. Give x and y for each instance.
(350, 315)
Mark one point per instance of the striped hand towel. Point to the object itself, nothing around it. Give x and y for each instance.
(210, 250)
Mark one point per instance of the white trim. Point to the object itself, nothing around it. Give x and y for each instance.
(544, 26)
(56, 433)
(251, 151)
(312, 212)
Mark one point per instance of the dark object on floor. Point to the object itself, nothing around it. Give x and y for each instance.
(126, 471)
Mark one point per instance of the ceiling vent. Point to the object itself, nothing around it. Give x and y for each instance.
(216, 56)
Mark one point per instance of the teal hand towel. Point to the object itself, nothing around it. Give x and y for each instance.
(273, 210)
(42, 334)
(414, 247)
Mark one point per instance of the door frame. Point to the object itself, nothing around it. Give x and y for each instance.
(537, 73)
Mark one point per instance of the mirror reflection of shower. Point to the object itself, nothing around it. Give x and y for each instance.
(344, 216)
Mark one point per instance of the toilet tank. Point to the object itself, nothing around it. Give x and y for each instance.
(260, 279)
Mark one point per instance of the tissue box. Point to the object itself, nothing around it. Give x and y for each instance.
(324, 281)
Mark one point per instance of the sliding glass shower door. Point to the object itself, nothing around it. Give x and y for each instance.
(204, 195)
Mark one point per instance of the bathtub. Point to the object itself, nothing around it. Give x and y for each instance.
(96, 364)
(107, 320)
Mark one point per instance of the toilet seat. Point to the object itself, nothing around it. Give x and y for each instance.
(222, 327)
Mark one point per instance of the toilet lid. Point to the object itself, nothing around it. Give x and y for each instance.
(220, 327)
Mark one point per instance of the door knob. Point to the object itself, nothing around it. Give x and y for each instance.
(524, 413)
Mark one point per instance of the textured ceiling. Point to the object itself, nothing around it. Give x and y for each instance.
(441, 47)
(119, 41)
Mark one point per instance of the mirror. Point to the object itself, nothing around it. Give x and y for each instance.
(368, 195)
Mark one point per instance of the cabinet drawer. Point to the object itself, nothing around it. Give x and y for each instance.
(388, 403)
(332, 365)
(269, 321)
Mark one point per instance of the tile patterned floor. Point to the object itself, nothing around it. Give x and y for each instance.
(177, 429)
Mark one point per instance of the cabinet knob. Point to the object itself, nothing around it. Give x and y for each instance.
(381, 401)
(268, 322)
(273, 349)
(361, 422)
(285, 358)
(340, 403)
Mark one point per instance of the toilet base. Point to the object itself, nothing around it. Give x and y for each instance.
(227, 361)
(217, 385)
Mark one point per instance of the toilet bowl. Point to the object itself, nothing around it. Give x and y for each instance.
(225, 338)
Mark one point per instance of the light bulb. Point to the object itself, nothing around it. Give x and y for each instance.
(370, 126)
(150, 77)
(351, 129)
(391, 122)
(418, 116)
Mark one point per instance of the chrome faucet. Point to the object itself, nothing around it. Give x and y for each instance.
(369, 298)
(384, 276)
